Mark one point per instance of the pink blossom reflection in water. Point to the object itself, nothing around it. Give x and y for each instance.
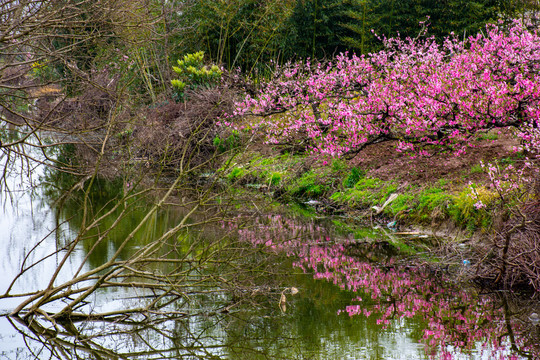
(457, 321)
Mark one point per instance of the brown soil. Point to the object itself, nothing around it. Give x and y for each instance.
(385, 163)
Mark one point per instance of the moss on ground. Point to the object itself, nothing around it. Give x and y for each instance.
(298, 179)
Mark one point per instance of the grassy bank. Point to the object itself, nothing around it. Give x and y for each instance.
(352, 189)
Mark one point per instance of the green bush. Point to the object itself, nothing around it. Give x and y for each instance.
(192, 73)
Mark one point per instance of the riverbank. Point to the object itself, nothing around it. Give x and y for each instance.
(382, 185)
(456, 199)
(476, 198)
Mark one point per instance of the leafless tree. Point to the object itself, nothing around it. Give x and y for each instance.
(58, 88)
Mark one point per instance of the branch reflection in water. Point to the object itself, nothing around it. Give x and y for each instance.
(455, 319)
(221, 287)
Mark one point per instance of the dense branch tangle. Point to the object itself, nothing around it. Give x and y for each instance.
(168, 269)
(57, 72)
(49, 47)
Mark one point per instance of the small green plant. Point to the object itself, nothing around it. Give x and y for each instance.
(466, 209)
(402, 203)
(338, 165)
(476, 169)
(192, 73)
(274, 179)
(228, 143)
(488, 136)
(508, 161)
(236, 174)
(308, 186)
(43, 72)
(366, 192)
(430, 200)
(125, 134)
(355, 175)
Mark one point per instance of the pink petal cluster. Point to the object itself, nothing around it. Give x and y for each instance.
(417, 92)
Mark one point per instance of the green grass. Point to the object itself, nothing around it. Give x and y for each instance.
(365, 193)
(422, 205)
(338, 166)
(402, 203)
(274, 178)
(488, 136)
(476, 169)
(236, 174)
(308, 186)
(229, 143)
(463, 211)
(431, 200)
(355, 176)
(291, 174)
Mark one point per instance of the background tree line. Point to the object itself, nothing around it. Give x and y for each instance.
(250, 33)
(137, 43)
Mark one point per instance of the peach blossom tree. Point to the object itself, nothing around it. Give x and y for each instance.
(416, 92)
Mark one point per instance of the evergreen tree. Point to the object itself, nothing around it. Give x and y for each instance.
(403, 17)
(316, 28)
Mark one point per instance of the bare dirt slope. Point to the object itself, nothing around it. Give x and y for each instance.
(385, 163)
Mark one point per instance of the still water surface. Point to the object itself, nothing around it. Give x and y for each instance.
(356, 299)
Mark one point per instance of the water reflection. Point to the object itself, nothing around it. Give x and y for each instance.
(356, 299)
(451, 320)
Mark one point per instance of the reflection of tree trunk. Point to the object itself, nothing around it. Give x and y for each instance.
(510, 330)
(507, 317)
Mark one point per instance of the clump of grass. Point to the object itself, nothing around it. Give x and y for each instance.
(463, 210)
(476, 169)
(273, 171)
(224, 144)
(443, 182)
(507, 161)
(366, 192)
(236, 174)
(488, 136)
(432, 201)
(338, 166)
(274, 178)
(402, 203)
(355, 176)
(424, 206)
(366, 233)
(309, 185)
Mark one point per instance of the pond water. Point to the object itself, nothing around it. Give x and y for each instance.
(321, 294)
